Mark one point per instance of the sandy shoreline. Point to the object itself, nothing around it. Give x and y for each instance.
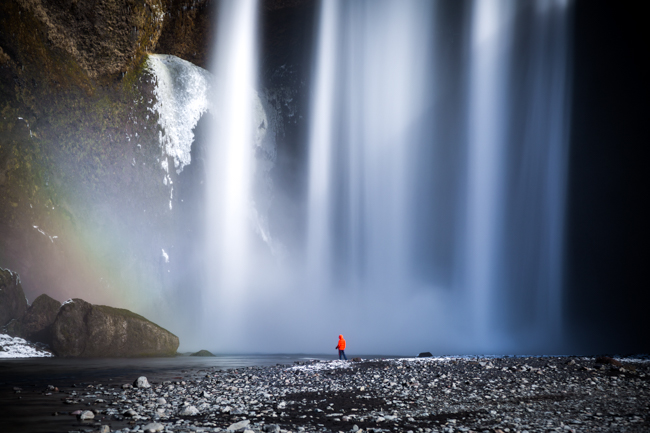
(412, 394)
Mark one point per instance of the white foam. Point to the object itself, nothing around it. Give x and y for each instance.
(181, 90)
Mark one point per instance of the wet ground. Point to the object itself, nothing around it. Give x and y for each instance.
(31, 409)
(495, 395)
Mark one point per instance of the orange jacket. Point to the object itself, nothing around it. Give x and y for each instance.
(341, 345)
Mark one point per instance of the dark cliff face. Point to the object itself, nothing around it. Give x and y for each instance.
(12, 298)
(83, 209)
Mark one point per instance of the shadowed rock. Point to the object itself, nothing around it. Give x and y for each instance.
(85, 330)
(13, 303)
(608, 360)
(36, 324)
(202, 353)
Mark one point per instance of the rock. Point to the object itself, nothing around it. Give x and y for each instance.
(102, 38)
(425, 355)
(130, 413)
(202, 353)
(13, 303)
(239, 426)
(154, 426)
(104, 429)
(36, 324)
(608, 360)
(272, 428)
(85, 330)
(188, 411)
(86, 415)
(141, 382)
(161, 400)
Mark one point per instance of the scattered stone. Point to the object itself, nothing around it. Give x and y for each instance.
(239, 426)
(421, 395)
(86, 415)
(154, 427)
(188, 411)
(141, 382)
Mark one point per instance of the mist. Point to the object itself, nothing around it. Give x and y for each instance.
(431, 217)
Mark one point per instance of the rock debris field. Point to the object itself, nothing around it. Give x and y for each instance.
(497, 395)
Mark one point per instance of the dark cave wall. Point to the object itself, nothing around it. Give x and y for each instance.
(606, 279)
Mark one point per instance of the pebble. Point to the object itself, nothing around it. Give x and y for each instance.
(154, 426)
(239, 426)
(188, 411)
(86, 415)
(141, 382)
(422, 395)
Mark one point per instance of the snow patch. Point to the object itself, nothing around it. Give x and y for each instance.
(14, 347)
(321, 366)
(69, 301)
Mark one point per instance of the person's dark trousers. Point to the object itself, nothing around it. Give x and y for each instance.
(342, 355)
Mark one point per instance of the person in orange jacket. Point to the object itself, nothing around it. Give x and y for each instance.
(341, 348)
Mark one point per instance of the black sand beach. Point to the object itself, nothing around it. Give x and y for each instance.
(534, 394)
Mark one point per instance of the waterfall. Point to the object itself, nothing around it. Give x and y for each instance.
(435, 178)
(231, 164)
(453, 198)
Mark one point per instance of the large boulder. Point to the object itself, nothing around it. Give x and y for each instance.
(36, 324)
(13, 303)
(85, 330)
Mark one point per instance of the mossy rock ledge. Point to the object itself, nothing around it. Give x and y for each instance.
(97, 331)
